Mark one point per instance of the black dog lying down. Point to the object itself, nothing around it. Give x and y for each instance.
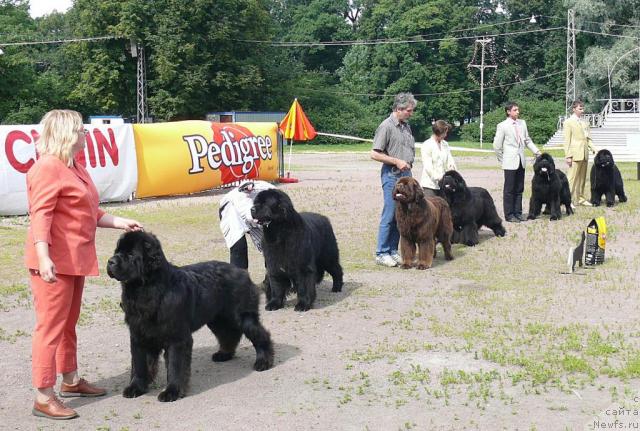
(471, 208)
(606, 180)
(548, 186)
(163, 304)
(298, 248)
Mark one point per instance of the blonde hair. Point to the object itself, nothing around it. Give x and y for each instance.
(59, 134)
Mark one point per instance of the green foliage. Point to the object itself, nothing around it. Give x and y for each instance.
(207, 56)
(541, 117)
(336, 113)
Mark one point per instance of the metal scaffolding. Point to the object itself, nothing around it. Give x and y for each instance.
(570, 94)
(141, 85)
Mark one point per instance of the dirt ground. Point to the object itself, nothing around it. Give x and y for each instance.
(496, 339)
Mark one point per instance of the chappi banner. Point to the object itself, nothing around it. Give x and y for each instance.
(159, 159)
(191, 156)
(109, 156)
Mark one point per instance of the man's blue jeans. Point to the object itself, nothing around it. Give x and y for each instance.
(388, 235)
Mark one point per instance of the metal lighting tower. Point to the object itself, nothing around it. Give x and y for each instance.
(570, 94)
(137, 50)
(482, 42)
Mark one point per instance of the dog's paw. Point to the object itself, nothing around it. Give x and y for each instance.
(263, 364)
(622, 198)
(554, 218)
(470, 243)
(337, 288)
(609, 204)
(405, 266)
(133, 391)
(273, 304)
(422, 267)
(302, 306)
(530, 217)
(170, 394)
(221, 356)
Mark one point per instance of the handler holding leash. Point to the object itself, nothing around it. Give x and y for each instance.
(436, 159)
(577, 145)
(59, 252)
(511, 138)
(394, 147)
(236, 220)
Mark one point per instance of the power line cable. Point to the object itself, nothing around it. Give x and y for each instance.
(436, 94)
(392, 41)
(593, 22)
(47, 42)
(607, 34)
(612, 24)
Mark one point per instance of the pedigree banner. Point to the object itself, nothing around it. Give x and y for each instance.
(109, 157)
(191, 156)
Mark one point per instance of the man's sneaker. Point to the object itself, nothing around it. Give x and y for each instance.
(396, 256)
(386, 260)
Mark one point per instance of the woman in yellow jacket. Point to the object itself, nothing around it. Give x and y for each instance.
(577, 143)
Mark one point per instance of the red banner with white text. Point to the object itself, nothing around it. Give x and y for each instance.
(110, 158)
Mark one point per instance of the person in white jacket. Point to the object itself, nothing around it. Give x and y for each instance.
(511, 138)
(236, 220)
(436, 158)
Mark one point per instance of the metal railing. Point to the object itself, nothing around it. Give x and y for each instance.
(613, 106)
(595, 120)
(628, 106)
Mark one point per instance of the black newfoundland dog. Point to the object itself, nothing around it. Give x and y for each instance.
(163, 304)
(298, 248)
(548, 186)
(606, 180)
(471, 208)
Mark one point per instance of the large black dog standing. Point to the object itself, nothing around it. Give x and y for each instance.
(163, 304)
(298, 248)
(606, 180)
(548, 186)
(471, 208)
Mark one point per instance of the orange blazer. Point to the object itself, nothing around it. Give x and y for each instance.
(63, 211)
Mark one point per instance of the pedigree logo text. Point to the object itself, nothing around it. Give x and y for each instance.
(234, 150)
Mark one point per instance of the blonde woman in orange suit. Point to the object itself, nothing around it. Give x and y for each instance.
(59, 252)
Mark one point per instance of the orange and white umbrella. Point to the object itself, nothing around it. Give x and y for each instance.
(295, 126)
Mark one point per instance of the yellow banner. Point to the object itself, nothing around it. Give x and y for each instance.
(191, 156)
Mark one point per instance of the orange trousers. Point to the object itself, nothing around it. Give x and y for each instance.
(54, 341)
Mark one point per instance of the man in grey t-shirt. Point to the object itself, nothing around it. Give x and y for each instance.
(394, 147)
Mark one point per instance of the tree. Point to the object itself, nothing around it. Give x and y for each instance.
(620, 21)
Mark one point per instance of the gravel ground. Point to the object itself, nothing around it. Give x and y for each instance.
(476, 343)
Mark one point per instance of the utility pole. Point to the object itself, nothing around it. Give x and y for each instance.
(570, 86)
(482, 42)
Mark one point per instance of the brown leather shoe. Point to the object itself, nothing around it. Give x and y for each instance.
(81, 389)
(53, 409)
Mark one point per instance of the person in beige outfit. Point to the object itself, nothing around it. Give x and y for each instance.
(577, 141)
